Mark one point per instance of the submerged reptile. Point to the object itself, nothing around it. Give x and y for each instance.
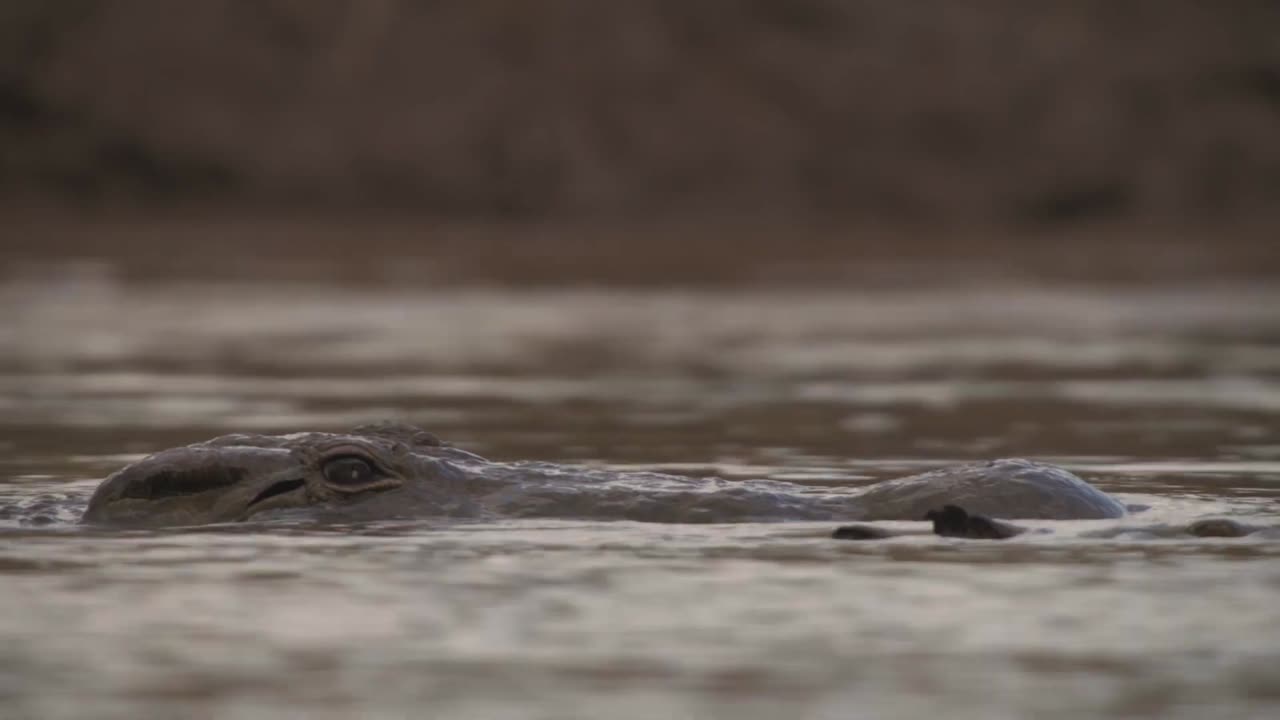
(390, 470)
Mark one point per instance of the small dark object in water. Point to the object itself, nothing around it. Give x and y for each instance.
(1219, 527)
(953, 521)
(861, 532)
(948, 521)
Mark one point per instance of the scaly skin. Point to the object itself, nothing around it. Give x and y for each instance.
(395, 471)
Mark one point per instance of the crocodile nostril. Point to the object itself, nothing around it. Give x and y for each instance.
(279, 488)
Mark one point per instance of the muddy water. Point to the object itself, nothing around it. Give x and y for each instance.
(1166, 396)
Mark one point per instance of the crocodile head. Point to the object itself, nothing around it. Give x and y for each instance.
(372, 469)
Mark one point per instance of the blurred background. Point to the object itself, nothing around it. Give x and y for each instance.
(644, 140)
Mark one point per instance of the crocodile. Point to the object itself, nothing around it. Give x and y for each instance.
(392, 470)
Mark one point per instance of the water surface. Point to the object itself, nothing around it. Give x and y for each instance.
(1166, 396)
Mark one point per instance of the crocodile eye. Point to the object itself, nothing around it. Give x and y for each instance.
(351, 471)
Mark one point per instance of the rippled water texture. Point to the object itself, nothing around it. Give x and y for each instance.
(1166, 396)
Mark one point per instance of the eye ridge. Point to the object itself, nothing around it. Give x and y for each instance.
(351, 470)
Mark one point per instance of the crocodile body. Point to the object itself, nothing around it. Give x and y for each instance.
(395, 471)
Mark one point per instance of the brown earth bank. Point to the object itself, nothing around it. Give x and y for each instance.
(414, 252)
(1024, 116)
